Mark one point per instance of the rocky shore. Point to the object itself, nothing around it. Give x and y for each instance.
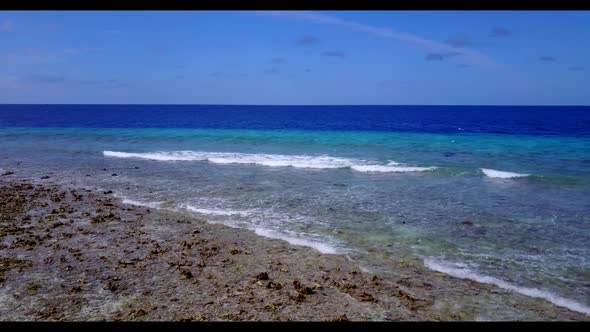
(78, 254)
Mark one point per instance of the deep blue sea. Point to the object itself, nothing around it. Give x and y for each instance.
(499, 194)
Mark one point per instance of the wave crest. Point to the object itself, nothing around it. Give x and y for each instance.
(271, 160)
(215, 212)
(492, 173)
(322, 247)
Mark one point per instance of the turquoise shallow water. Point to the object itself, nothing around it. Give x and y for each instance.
(509, 208)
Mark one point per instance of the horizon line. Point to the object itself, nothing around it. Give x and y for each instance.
(289, 105)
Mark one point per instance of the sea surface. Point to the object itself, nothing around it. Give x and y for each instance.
(498, 194)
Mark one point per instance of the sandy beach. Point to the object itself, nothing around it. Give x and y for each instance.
(71, 254)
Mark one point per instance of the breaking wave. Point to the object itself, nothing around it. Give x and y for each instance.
(271, 160)
(492, 173)
(465, 273)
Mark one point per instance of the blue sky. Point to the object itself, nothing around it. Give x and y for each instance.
(297, 57)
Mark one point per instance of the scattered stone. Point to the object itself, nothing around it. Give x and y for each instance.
(75, 289)
(274, 285)
(366, 297)
(33, 287)
(198, 318)
(298, 297)
(341, 318)
(111, 286)
(305, 290)
(230, 316)
(137, 313)
(185, 274)
(234, 251)
(261, 276)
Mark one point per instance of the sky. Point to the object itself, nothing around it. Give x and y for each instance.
(296, 57)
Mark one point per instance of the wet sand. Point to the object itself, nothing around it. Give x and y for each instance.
(78, 254)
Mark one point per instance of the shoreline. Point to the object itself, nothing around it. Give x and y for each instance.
(71, 253)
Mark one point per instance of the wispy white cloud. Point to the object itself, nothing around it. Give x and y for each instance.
(36, 55)
(82, 50)
(338, 54)
(6, 25)
(469, 55)
(10, 82)
(307, 40)
(61, 80)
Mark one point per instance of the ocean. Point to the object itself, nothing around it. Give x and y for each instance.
(497, 194)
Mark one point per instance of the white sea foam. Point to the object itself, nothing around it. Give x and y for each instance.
(153, 205)
(386, 168)
(161, 156)
(271, 160)
(298, 241)
(492, 173)
(215, 212)
(465, 273)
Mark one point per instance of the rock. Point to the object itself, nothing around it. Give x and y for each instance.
(7, 173)
(185, 274)
(366, 297)
(341, 318)
(44, 177)
(272, 285)
(305, 290)
(114, 174)
(33, 287)
(261, 276)
(75, 289)
(137, 313)
(467, 223)
(299, 297)
(108, 192)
